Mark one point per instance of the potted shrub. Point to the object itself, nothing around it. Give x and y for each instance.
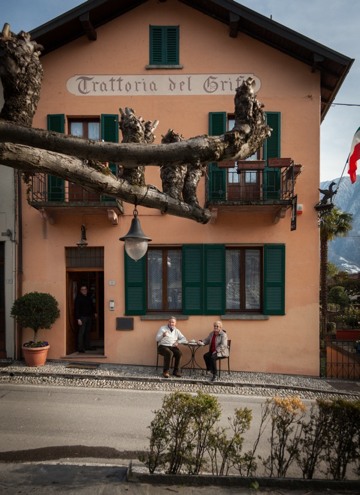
(35, 310)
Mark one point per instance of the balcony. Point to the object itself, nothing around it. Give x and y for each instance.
(53, 196)
(251, 185)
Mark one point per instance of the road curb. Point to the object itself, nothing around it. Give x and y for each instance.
(135, 474)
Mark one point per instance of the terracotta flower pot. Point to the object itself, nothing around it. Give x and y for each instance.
(35, 356)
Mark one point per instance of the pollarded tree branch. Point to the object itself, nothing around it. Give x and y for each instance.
(99, 178)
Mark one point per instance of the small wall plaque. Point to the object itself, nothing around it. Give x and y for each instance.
(124, 323)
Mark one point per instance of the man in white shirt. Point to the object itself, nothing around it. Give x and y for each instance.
(168, 338)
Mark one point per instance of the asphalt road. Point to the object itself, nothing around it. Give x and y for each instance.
(34, 417)
(80, 440)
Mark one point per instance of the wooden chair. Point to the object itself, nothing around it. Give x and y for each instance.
(228, 359)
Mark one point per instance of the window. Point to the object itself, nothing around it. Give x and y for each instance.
(164, 45)
(164, 281)
(243, 279)
(207, 279)
(231, 184)
(85, 128)
(105, 127)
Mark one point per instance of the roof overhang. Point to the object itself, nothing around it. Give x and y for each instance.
(87, 17)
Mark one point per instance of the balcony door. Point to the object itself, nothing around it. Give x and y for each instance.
(87, 129)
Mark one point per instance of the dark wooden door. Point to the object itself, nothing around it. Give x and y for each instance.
(94, 280)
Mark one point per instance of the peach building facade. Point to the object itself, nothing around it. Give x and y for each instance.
(266, 274)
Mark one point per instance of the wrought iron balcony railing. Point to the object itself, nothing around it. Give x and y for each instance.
(252, 183)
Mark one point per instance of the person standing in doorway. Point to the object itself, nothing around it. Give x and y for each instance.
(84, 313)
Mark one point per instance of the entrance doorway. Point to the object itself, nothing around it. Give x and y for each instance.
(85, 267)
(94, 280)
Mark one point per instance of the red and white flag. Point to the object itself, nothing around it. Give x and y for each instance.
(354, 156)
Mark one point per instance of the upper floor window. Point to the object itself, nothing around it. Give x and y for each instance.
(85, 128)
(164, 45)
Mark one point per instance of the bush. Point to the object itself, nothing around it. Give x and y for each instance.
(35, 310)
(186, 438)
(338, 295)
(349, 319)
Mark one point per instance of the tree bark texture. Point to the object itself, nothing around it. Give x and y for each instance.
(21, 76)
(136, 130)
(181, 182)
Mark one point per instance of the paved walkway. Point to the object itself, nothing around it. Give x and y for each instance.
(83, 373)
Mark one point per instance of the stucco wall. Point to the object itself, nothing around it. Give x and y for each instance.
(280, 344)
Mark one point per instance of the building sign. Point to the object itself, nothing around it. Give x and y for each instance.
(157, 85)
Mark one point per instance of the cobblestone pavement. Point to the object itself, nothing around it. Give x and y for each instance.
(87, 374)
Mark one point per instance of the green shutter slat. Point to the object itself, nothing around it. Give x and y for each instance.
(156, 45)
(272, 178)
(110, 127)
(109, 124)
(214, 274)
(274, 279)
(217, 123)
(192, 261)
(216, 182)
(164, 45)
(272, 144)
(135, 286)
(172, 45)
(56, 185)
(56, 122)
(216, 176)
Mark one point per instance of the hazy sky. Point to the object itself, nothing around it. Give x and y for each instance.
(333, 23)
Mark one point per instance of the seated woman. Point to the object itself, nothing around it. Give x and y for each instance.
(218, 348)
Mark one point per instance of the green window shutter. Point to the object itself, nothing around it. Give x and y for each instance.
(56, 186)
(135, 286)
(216, 175)
(192, 272)
(272, 179)
(214, 261)
(164, 45)
(109, 124)
(110, 127)
(217, 123)
(274, 279)
(272, 144)
(216, 183)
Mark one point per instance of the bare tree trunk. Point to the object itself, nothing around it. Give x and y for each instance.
(21, 75)
(173, 178)
(136, 130)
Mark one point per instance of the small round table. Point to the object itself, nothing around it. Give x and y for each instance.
(192, 364)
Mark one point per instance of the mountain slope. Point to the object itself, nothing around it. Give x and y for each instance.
(344, 252)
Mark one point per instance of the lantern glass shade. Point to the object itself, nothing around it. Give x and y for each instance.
(136, 248)
(136, 242)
